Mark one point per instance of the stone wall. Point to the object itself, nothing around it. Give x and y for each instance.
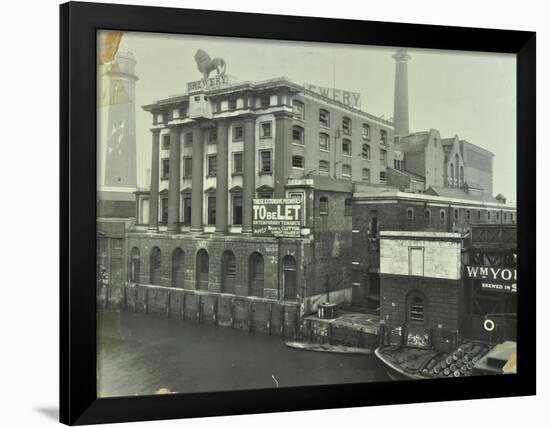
(245, 313)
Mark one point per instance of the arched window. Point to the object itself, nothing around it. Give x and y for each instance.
(461, 175)
(451, 183)
(135, 264)
(416, 307)
(346, 126)
(456, 214)
(289, 278)
(457, 165)
(489, 215)
(427, 214)
(324, 143)
(365, 152)
(324, 118)
(346, 147)
(298, 135)
(229, 272)
(256, 275)
(365, 174)
(479, 215)
(324, 166)
(410, 213)
(298, 109)
(442, 214)
(202, 269)
(155, 266)
(177, 268)
(323, 205)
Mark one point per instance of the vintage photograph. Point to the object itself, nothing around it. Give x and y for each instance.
(275, 214)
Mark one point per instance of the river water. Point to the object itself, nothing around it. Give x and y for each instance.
(140, 354)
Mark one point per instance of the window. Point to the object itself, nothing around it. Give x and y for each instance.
(324, 166)
(265, 130)
(238, 133)
(298, 110)
(468, 214)
(323, 205)
(365, 174)
(189, 138)
(347, 207)
(427, 214)
(410, 213)
(298, 135)
(365, 152)
(232, 104)
(187, 167)
(383, 176)
(211, 210)
(265, 101)
(213, 136)
(366, 131)
(324, 141)
(154, 266)
(237, 163)
(202, 268)
(212, 165)
(178, 270)
(165, 142)
(498, 215)
(488, 215)
(383, 137)
(452, 175)
(346, 147)
(256, 275)
(187, 210)
(373, 223)
(461, 175)
(229, 272)
(298, 162)
(442, 215)
(197, 98)
(505, 215)
(383, 157)
(265, 161)
(237, 209)
(416, 309)
(165, 168)
(456, 214)
(346, 126)
(346, 170)
(135, 265)
(164, 210)
(512, 216)
(479, 215)
(324, 118)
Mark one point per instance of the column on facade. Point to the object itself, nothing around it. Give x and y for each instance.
(249, 182)
(154, 189)
(197, 177)
(174, 181)
(283, 154)
(221, 175)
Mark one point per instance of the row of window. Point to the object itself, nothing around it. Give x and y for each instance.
(456, 214)
(228, 271)
(324, 120)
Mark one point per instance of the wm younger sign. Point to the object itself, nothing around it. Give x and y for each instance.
(277, 217)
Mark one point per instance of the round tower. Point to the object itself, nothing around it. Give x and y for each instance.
(116, 169)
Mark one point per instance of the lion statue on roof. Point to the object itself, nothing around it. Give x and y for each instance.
(207, 65)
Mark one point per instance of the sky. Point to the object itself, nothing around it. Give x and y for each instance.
(469, 94)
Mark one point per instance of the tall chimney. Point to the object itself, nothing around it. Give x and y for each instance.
(401, 94)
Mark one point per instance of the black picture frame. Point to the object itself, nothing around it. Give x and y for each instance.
(78, 24)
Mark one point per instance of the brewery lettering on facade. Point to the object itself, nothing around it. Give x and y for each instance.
(351, 99)
(494, 278)
(207, 83)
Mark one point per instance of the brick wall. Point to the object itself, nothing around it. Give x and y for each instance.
(442, 303)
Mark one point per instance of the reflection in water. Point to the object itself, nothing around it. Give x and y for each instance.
(140, 354)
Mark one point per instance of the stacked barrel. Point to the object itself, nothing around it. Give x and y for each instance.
(459, 363)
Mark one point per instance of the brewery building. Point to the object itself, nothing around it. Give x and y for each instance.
(267, 198)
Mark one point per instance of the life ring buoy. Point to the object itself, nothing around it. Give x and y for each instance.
(489, 325)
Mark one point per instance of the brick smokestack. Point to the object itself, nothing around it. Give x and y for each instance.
(401, 94)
